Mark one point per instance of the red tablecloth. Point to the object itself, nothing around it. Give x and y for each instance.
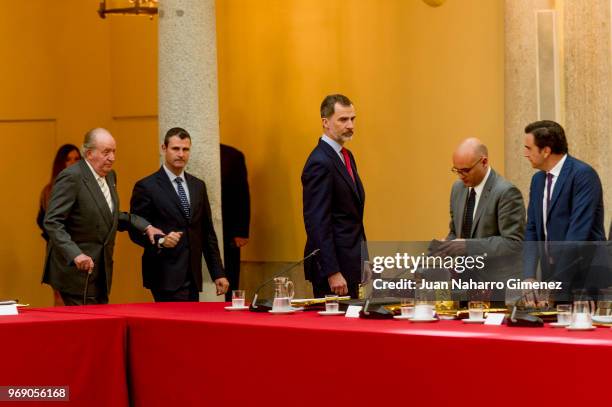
(199, 354)
(84, 352)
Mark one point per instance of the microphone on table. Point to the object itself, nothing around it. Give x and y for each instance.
(266, 307)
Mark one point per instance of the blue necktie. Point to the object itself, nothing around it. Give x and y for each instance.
(183, 197)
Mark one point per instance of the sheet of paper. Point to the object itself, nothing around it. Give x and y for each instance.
(8, 309)
(353, 311)
(494, 318)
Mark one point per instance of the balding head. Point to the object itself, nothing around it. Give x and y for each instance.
(99, 150)
(471, 161)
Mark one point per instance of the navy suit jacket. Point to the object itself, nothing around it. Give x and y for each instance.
(333, 216)
(576, 214)
(166, 269)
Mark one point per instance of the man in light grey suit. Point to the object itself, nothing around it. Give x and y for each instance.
(82, 220)
(487, 214)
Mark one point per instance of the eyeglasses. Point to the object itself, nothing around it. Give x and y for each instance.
(465, 171)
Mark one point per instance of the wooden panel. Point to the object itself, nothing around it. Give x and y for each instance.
(25, 169)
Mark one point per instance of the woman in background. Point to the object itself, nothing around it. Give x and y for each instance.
(67, 155)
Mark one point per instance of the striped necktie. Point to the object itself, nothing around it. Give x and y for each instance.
(106, 192)
(183, 197)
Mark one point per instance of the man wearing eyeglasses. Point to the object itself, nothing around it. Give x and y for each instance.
(487, 213)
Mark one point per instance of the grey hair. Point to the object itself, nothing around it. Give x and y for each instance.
(89, 141)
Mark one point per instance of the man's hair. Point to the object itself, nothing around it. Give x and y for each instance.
(176, 132)
(328, 104)
(547, 133)
(89, 141)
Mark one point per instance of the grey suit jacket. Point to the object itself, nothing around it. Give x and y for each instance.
(78, 220)
(498, 228)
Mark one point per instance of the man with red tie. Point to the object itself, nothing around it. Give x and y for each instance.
(333, 198)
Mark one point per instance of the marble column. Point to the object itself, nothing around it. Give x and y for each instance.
(584, 67)
(520, 86)
(188, 95)
(588, 82)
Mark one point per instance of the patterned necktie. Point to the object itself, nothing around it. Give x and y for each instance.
(106, 193)
(183, 197)
(549, 180)
(347, 162)
(468, 216)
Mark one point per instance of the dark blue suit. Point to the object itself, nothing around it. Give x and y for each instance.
(333, 217)
(168, 269)
(575, 214)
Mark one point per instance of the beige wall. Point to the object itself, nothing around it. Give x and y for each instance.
(65, 70)
(421, 79)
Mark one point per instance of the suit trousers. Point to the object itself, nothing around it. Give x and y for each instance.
(187, 293)
(72, 299)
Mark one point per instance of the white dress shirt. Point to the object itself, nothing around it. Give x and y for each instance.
(334, 144)
(478, 189)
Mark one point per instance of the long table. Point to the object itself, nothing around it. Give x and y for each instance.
(84, 354)
(199, 354)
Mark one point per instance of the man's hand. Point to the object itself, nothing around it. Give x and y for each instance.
(455, 247)
(172, 239)
(151, 231)
(241, 241)
(337, 283)
(222, 285)
(536, 298)
(84, 262)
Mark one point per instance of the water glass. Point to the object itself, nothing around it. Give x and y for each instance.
(581, 315)
(332, 303)
(238, 297)
(564, 314)
(407, 307)
(476, 310)
(604, 308)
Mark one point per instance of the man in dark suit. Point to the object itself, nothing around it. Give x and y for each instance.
(82, 220)
(178, 203)
(236, 212)
(333, 198)
(565, 205)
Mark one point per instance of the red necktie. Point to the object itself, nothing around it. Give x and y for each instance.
(347, 162)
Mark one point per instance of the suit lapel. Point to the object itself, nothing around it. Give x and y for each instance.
(194, 193)
(482, 201)
(358, 183)
(565, 170)
(331, 153)
(460, 209)
(112, 186)
(165, 184)
(96, 193)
